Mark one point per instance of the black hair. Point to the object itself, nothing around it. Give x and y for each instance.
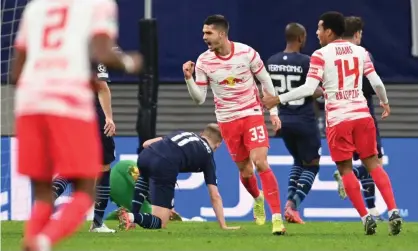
(334, 21)
(218, 21)
(293, 31)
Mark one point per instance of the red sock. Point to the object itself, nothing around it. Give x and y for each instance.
(352, 188)
(41, 213)
(251, 185)
(382, 181)
(72, 215)
(271, 190)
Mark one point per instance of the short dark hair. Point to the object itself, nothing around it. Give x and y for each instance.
(212, 131)
(293, 31)
(218, 21)
(334, 21)
(352, 25)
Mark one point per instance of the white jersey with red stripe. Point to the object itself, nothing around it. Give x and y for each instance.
(56, 36)
(340, 66)
(231, 79)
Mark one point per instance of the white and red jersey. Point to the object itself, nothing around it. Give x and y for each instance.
(231, 79)
(340, 66)
(56, 36)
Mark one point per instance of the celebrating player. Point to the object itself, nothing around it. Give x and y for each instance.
(299, 129)
(161, 161)
(353, 33)
(55, 119)
(340, 66)
(106, 127)
(228, 67)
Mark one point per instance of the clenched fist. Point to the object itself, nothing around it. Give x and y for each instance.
(188, 69)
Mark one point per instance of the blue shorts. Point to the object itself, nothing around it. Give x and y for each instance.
(108, 144)
(302, 140)
(161, 175)
(378, 141)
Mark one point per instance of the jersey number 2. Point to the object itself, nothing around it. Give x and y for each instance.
(344, 71)
(52, 34)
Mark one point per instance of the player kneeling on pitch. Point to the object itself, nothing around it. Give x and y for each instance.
(160, 162)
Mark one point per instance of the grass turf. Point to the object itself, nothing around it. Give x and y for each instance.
(208, 236)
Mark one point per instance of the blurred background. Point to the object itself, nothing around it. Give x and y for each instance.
(390, 35)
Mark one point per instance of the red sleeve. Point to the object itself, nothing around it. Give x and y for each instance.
(316, 66)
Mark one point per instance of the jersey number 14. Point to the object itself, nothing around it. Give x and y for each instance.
(285, 85)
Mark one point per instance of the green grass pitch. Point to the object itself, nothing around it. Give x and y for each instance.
(208, 236)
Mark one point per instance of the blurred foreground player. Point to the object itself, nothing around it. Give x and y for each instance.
(106, 128)
(161, 161)
(340, 66)
(299, 129)
(229, 68)
(353, 33)
(55, 119)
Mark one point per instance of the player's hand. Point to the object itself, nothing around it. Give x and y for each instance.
(386, 110)
(188, 69)
(231, 228)
(269, 100)
(137, 61)
(109, 128)
(275, 121)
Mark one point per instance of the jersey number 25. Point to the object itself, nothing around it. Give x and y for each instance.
(285, 85)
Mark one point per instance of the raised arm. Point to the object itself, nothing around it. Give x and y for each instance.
(198, 89)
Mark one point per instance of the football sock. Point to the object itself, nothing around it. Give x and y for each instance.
(251, 185)
(294, 175)
(271, 190)
(41, 213)
(304, 184)
(59, 185)
(352, 188)
(148, 221)
(367, 184)
(72, 216)
(382, 181)
(102, 198)
(140, 194)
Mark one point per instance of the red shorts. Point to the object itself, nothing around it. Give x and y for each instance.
(243, 135)
(352, 136)
(49, 144)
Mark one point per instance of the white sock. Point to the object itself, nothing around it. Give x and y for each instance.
(392, 211)
(131, 217)
(363, 219)
(374, 212)
(44, 243)
(276, 216)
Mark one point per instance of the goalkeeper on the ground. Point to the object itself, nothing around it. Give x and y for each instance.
(122, 186)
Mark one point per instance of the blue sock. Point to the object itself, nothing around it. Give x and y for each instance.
(140, 194)
(305, 182)
(59, 185)
(102, 198)
(367, 184)
(147, 220)
(294, 175)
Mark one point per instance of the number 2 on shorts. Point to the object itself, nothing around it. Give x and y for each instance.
(257, 133)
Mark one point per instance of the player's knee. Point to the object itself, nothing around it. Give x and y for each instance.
(344, 167)
(42, 191)
(86, 186)
(314, 162)
(261, 164)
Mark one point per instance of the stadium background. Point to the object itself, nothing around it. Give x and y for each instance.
(391, 35)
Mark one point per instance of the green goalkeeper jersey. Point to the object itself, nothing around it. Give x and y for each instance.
(122, 186)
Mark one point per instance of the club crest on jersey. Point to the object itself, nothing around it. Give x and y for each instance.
(230, 81)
